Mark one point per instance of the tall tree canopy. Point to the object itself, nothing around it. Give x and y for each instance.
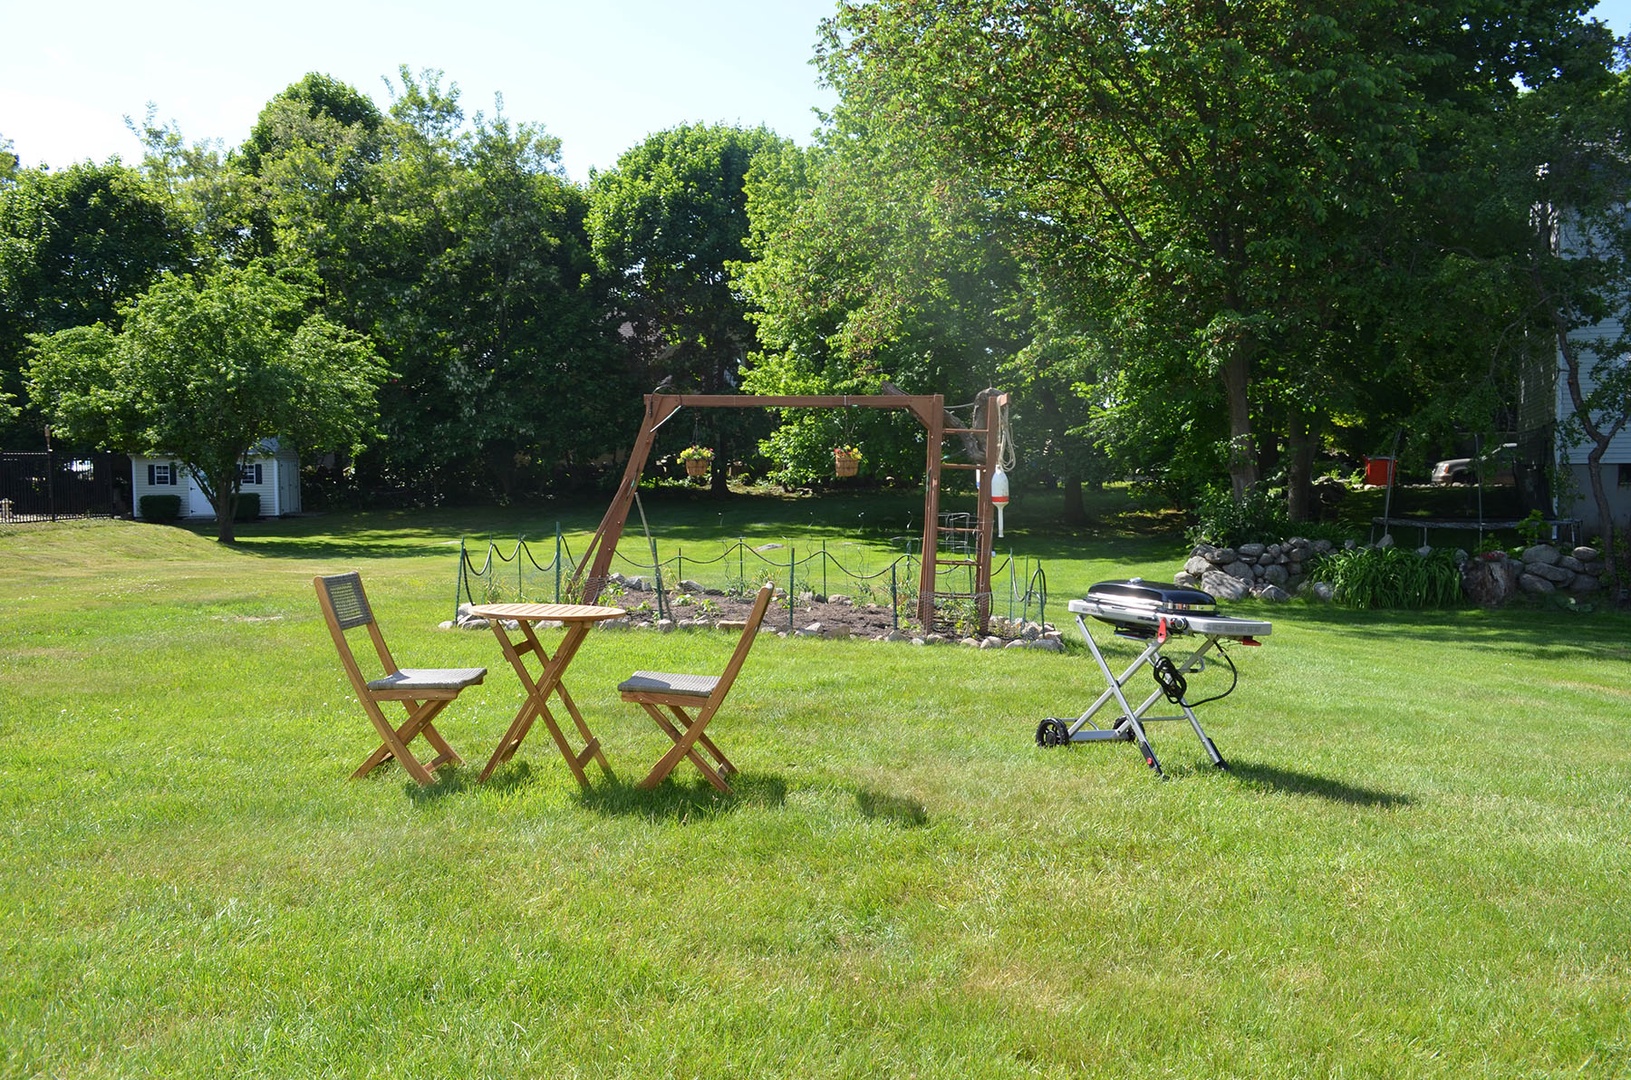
(75, 244)
(206, 369)
(1230, 191)
(667, 224)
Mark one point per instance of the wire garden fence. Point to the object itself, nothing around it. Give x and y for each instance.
(540, 571)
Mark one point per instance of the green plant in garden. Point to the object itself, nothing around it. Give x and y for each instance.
(1391, 577)
(1533, 529)
(696, 453)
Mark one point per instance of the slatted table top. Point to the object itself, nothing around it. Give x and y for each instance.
(548, 612)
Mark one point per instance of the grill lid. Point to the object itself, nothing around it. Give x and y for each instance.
(1136, 593)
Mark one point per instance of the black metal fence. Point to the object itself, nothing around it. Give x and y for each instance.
(55, 484)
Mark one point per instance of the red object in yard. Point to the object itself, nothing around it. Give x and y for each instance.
(1378, 471)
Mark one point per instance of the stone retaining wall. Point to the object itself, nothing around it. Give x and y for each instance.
(1267, 571)
(1276, 572)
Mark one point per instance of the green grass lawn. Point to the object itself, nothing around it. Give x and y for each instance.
(1420, 864)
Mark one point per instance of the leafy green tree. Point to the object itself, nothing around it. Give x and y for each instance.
(74, 245)
(206, 369)
(667, 223)
(482, 294)
(8, 160)
(1232, 189)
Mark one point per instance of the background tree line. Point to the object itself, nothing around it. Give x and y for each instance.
(1212, 246)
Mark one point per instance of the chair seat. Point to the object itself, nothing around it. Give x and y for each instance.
(430, 679)
(660, 682)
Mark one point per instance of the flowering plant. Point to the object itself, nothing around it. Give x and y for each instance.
(847, 451)
(697, 453)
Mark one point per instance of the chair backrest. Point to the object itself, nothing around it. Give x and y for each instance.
(346, 598)
(345, 607)
(761, 604)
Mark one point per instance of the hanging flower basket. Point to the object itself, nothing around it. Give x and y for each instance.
(846, 460)
(697, 460)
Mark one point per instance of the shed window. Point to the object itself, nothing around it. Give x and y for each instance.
(1625, 474)
(161, 474)
(249, 473)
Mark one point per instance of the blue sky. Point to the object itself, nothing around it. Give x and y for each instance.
(600, 74)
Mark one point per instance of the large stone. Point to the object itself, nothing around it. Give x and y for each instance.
(1583, 584)
(1197, 565)
(1535, 585)
(1222, 556)
(1557, 575)
(1569, 562)
(1541, 554)
(1185, 580)
(1320, 590)
(1225, 586)
(1240, 570)
(1249, 552)
(1276, 575)
(1489, 583)
(1272, 593)
(1586, 554)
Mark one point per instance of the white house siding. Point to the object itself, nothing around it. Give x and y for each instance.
(1578, 502)
(279, 487)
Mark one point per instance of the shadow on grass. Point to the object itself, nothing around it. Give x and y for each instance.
(460, 779)
(895, 809)
(1269, 778)
(672, 801)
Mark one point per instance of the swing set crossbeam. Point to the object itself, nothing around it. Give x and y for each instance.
(930, 411)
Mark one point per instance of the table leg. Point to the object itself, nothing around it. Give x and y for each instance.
(537, 702)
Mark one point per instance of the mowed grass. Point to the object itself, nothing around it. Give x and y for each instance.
(1418, 865)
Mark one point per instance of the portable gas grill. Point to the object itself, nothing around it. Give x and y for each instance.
(1154, 614)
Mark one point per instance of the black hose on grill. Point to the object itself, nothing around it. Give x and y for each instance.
(1172, 683)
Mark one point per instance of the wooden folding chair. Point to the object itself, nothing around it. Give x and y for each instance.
(423, 692)
(701, 693)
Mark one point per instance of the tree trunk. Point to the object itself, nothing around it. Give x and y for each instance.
(226, 508)
(1300, 469)
(1605, 515)
(1242, 453)
(1075, 513)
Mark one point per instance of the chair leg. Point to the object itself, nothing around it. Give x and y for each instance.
(726, 768)
(684, 747)
(394, 741)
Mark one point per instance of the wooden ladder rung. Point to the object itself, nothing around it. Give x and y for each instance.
(960, 465)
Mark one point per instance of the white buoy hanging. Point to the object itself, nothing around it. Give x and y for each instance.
(999, 496)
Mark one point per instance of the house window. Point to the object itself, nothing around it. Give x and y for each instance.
(162, 474)
(1625, 474)
(249, 474)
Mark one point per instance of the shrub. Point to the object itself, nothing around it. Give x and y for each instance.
(1391, 577)
(249, 507)
(1259, 518)
(161, 509)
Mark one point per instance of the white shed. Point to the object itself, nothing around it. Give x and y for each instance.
(269, 471)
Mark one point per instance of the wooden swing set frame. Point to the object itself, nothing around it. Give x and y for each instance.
(930, 411)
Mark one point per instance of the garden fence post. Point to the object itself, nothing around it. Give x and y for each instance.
(824, 568)
(557, 562)
(520, 568)
(741, 565)
(894, 597)
(458, 581)
(792, 564)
